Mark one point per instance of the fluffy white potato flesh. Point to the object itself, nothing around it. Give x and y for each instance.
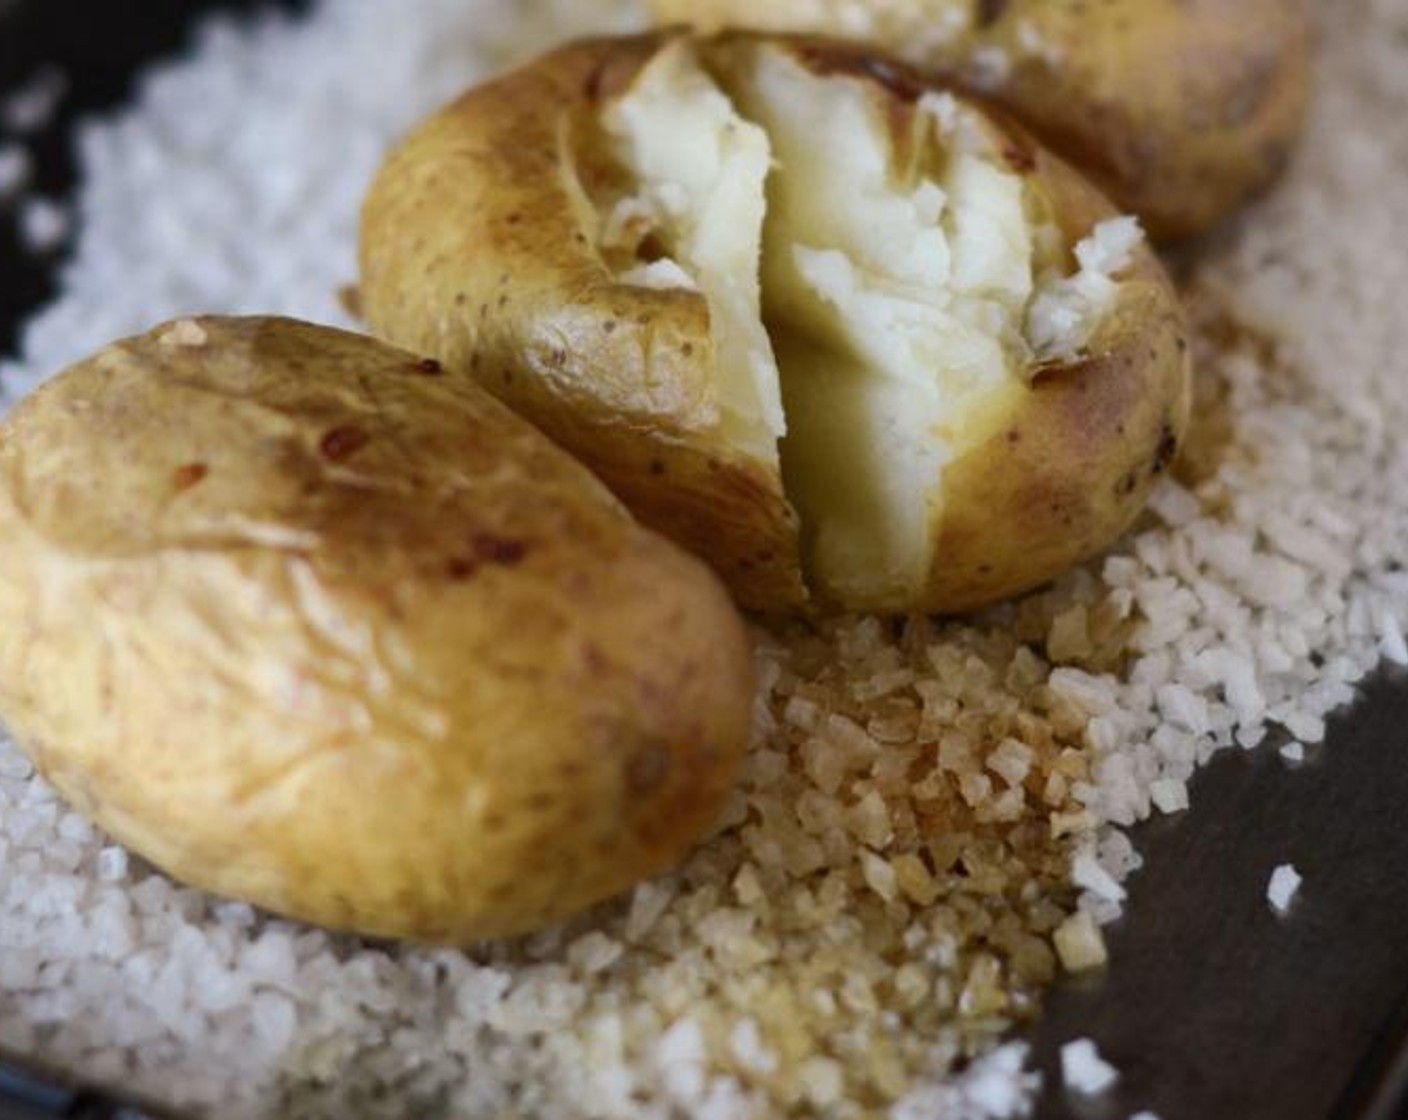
(904, 290)
(701, 170)
(874, 310)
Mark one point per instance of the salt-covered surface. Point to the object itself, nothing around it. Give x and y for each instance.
(926, 806)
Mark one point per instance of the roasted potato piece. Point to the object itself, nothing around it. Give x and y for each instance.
(508, 239)
(1180, 109)
(925, 365)
(309, 624)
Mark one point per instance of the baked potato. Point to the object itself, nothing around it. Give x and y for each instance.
(307, 623)
(1180, 110)
(853, 339)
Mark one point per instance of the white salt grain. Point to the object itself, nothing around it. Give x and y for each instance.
(1086, 872)
(1293, 752)
(1283, 888)
(32, 107)
(1169, 796)
(15, 170)
(112, 865)
(1392, 643)
(1084, 1071)
(44, 225)
(681, 1053)
(184, 333)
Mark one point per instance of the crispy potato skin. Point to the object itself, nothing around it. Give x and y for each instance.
(1181, 110)
(475, 250)
(307, 623)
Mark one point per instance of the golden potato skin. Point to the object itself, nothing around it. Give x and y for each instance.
(1074, 463)
(1181, 110)
(308, 623)
(475, 250)
(1071, 456)
(471, 252)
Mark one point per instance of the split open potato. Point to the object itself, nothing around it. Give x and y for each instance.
(850, 337)
(1180, 110)
(307, 623)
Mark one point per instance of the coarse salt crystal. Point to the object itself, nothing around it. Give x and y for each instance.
(1182, 707)
(32, 106)
(1293, 752)
(746, 1043)
(823, 1080)
(879, 875)
(976, 789)
(648, 903)
(1084, 1070)
(44, 225)
(1012, 761)
(112, 865)
(681, 1053)
(1087, 873)
(1169, 795)
(594, 952)
(1080, 944)
(1392, 643)
(184, 332)
(15, 169)
(1283, 888)
(275, 1020)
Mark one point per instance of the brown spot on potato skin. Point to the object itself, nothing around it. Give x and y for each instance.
(1020, 160)
(349, 296)
(597, 663)
(1168, 449)
(486, 551)
(342, 443)
(429, 367)
(460, 569)
(499, 551)
(192, 474)
(990, 11)
(648, 769)
(900, 80)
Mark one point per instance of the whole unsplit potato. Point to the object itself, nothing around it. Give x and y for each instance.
(1180, 109)
(307, 623)
(854, 339)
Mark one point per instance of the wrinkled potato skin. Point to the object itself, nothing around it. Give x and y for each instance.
(1181, 110)
(474, 251)
(307, 623)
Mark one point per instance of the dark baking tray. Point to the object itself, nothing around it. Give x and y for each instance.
(1212, 1007)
